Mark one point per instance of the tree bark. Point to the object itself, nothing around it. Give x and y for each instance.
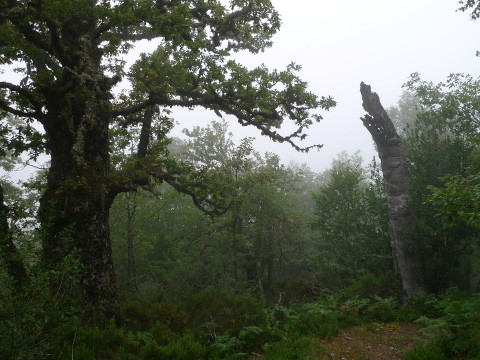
(74, 213)
(396, 176)
(9, 252)
(74, 209)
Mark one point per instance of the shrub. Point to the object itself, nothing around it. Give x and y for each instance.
(454, 311)
(426, 352)
(370, 285)
(296, 289)
(34, 322)
(464, 345)
(184, 348)
(384, 310)
(454, 328)
(459, 310)
(105, 343)
(141, 316)
(324, 318)
(294, 348)
(218, 312)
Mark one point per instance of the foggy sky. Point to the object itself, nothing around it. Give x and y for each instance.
(341, 43)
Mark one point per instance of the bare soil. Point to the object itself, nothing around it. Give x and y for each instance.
(373, 341)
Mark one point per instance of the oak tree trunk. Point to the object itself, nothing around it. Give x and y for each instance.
(74, 212)
(74, 209)
(396, 176)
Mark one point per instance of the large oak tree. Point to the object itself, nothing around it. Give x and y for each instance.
(69, 56)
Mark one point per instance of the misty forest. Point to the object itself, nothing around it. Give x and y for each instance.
(127, 242)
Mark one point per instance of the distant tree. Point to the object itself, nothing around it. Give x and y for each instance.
(405, 113)
(255, 244)
(264, 220)
(10, 255)
(17, 212)
(275, 226)
(134, 233)
(71, 53)
(350, 223)
(443, 153)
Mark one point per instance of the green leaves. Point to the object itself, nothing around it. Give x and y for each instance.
(257, 97)
(442, 148)
(18, 136)
(244, 25)
(70, 49)
(458, 200)
(350, 222)
(455, 102)
(473, 5)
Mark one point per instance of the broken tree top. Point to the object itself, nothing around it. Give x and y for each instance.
(377, 120)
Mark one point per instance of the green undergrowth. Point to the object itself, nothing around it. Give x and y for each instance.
(453, 328)
(218, 324)
(209, 325)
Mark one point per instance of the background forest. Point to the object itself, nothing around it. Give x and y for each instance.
(219, 251)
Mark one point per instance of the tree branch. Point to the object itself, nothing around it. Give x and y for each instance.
(218, 104)
(133, 109)
(16, 112)
(207, 194)
(32, 36)
(145, 133)
(204, 202)
(27, 95)
(23, 92)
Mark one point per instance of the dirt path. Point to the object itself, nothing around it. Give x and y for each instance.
(371, 342)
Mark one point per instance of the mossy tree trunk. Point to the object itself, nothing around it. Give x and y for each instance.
(74, 209)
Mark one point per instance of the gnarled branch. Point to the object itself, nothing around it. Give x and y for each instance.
(27, 95)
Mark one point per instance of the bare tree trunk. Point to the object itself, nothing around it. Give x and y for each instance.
(396, 176)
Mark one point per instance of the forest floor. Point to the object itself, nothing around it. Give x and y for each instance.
(374, 341)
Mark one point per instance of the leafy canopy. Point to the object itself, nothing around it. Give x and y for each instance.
(74, 49)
